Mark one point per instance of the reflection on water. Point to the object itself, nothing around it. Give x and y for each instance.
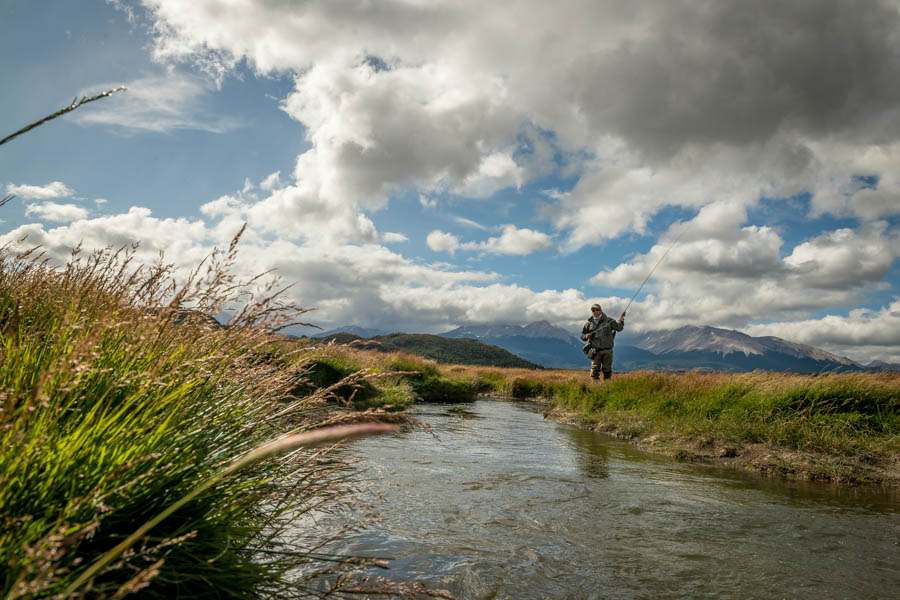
(591, 451)
(495, 502)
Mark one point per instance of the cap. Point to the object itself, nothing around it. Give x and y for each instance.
(596, 307)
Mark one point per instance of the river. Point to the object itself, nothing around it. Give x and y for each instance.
(493, 501)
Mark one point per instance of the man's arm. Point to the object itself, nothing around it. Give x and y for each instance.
(586, 331)
(620, 324)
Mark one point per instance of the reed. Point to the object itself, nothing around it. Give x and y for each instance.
(122, 405)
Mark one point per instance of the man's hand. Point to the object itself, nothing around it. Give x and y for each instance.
(622, 318)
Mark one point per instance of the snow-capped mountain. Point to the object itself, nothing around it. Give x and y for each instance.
(728, 341)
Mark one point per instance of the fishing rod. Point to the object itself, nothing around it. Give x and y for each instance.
(647, 278)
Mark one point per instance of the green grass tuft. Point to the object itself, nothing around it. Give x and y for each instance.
(119, 396)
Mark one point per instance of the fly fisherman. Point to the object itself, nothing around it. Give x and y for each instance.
(599, 335)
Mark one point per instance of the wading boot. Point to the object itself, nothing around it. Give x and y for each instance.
(607, 375)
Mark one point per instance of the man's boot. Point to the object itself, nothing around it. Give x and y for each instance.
(607, 374)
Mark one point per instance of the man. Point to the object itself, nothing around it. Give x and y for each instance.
(599, 335)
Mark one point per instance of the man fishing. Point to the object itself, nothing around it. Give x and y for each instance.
(599, 334)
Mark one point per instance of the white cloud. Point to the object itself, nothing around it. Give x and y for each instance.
(713, 244)
(844, 258)
(296, 212)
(272, 181)
(495, 172)
(392, 237)
(51, 211)
(513, 241)
(159, 103)
(724, 274)
(478, 97)
(440, 241)
(55, 189)
(183, 240)
(362, 281)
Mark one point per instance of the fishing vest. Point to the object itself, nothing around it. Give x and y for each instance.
(604, 333)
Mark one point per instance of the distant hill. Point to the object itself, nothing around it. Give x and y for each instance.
(455, 351)
(363, 332)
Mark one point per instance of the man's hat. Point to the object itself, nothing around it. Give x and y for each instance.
(596, 307)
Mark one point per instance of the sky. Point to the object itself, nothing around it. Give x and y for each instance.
(413, 165)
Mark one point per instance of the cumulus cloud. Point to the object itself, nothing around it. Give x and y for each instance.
(51, 211)
(724, 273)
(393, 237)
(514, 241)
(367, 282)
(495, 172)
(457, 91)
(713, 244)
(55, 189)
(295, 212)
(844, 258)
(272, 181)
(441, 241)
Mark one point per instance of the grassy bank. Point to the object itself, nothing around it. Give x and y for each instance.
(843, 428)
(125, 412)
(837, 427)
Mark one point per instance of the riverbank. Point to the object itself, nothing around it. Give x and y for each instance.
(839, 428)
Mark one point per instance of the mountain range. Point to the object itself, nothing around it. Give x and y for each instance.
(686, 348)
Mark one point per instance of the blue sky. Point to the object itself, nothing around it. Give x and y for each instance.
(419, 167)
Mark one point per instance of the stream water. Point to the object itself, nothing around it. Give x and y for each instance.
(496, 502)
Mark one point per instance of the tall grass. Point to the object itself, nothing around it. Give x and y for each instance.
(122, 399)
